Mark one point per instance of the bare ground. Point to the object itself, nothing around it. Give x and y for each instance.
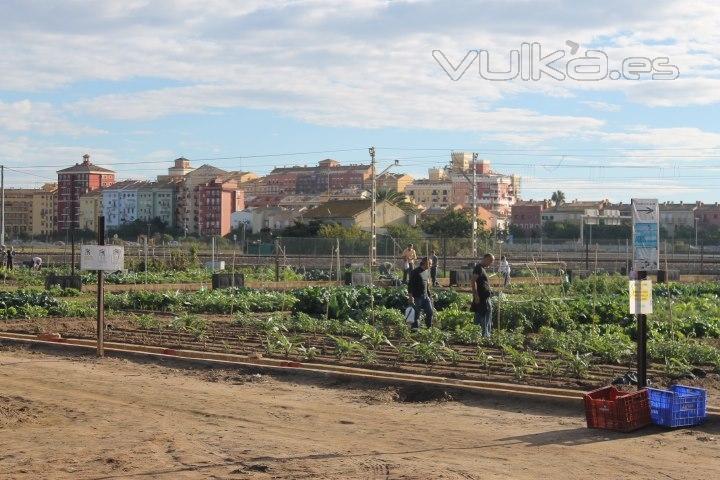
(65, 417)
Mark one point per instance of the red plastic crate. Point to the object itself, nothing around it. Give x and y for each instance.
(611, 409)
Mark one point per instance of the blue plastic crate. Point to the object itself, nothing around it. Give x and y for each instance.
(678, 407)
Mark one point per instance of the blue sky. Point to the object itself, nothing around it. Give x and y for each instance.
(142, 82)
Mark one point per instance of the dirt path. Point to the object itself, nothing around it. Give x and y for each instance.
(77, 418)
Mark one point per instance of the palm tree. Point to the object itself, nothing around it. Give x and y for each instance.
(396, 198)
(558, 197)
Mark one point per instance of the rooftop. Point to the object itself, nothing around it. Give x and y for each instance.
(683, 207)
(322, 166)
(577, 206)
(85, 167)
(339, 209)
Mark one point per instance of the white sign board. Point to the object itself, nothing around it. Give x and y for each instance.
(646, 234)
(640, 297)
(109, 258)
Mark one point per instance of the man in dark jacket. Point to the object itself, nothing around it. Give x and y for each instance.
(419, 292)
(481, 294)
(433, 268)
(9, 254)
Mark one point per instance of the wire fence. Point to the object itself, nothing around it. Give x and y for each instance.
(452, 253)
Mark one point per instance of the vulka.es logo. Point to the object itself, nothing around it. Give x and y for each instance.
(529, 63)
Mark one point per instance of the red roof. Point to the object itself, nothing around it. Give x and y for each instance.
(85, 167)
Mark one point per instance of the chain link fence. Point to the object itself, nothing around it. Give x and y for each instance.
(613, 256)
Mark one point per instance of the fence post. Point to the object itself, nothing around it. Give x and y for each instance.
(444, 247)
(277, 261)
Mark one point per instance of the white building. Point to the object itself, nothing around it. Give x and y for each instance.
(120, 203)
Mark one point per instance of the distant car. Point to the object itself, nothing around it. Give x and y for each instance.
(174, 243)
(59, 244)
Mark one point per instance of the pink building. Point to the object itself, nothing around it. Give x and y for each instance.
(216, 202)
(527, 215)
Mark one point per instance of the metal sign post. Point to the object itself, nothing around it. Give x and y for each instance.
(646, 257)
(101, 293)
(101, 259)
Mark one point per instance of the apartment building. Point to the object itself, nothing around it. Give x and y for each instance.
(217, 200)
(186, 212)
(18, 212)
(156, 200)
(527, 215)
(131, 200)
(328, 176)
(431, 194)
(495, 192)
(396, 182)
(73, 183)
(44, 210)
(90, 210)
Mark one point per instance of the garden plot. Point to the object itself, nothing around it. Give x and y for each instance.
(579, 338)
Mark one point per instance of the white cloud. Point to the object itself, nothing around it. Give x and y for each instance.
(363, 63)
(27, 116)
(679, 137)
(291, 56)
(601, 106)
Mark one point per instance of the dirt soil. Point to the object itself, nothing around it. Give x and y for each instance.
(75, 417)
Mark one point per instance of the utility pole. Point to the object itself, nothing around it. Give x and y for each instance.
(373, 211)
(2, 205)
(373, 232)
(474, 205)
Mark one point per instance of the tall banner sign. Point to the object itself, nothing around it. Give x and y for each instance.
(646, 234)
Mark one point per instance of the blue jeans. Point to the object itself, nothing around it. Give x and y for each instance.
(407, 271)
(423, 304)
(484, 319)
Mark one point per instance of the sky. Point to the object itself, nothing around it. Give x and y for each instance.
(253, 84)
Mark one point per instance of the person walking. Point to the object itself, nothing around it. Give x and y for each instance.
(504, 270)
(481, 305)
(409, 257)
(10, 253)
(433, 268)
(419, 292)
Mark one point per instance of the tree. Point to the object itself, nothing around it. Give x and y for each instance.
(518, 232)
(136, 228)
(454, 224)
(405, 234)
(395, 198)
(561, 230)
(335, 230)
(302, 230)
(557, 197)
